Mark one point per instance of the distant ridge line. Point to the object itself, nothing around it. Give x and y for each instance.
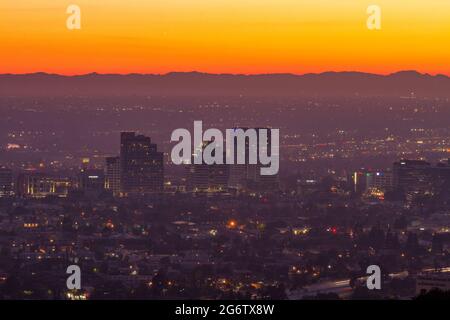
(331, 83)
(225, 74)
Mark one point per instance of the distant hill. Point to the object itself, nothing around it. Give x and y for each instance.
(403, 83)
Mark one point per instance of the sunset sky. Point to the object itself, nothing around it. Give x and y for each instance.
(224, 36)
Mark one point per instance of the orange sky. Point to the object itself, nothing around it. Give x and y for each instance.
(224, 36)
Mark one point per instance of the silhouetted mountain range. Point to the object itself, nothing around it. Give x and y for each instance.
(404, 83)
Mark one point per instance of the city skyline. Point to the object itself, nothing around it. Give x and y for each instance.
(220, 156)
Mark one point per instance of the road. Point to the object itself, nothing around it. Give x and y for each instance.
(342, 287)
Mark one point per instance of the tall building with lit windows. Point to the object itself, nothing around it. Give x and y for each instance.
(248, 176)
(417, 178)
(141, 165)
(209, 178)
(112, 175)
(367, 179)
(413, 177)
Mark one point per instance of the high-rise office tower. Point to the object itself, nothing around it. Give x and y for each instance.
(416, 178)
(208, 177)
(441, 180)
(380, 180)
(248, 176)
(112, 175)
(412, 175)
(6, 182)
(413, 178)
(371, 182)
(141, 165)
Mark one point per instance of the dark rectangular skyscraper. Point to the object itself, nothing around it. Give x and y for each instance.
(208, 177)
(91, 180)
(412, 175)
(141, 165)
(248, 176)
(6, 182)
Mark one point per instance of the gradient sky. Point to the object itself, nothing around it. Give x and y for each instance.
(224, 36)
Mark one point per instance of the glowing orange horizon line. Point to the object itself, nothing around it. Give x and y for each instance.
(222, 73)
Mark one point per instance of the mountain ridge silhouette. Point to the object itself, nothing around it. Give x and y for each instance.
(407, 83)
